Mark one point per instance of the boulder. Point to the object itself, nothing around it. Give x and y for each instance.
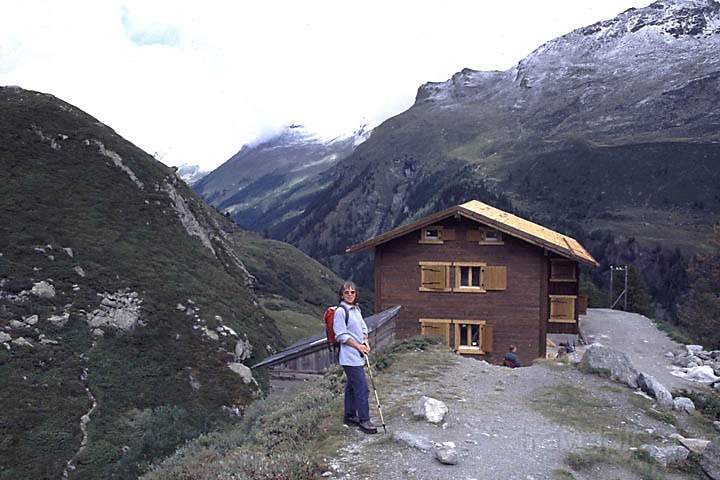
(243, 350)
(704, 374)
(695, 445)
(31, 320)
(98, 332)
(59, 321)
(430, 409)
(666, 456)
(617, 365)
(710, 460)
(241, 370)
(682, 361)
(655, 389)
(43, 290)
(714, 354)
(693, 349)
(22, 342)
(683, 404)
(446, 453)
(4, 337)
(413, 440)
(17, 324)
(669, 355)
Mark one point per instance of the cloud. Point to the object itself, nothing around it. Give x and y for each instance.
(194, 81)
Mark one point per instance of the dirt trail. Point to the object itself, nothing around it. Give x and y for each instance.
(635, 335)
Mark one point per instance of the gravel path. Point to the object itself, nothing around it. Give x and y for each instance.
(512, 424)
(635, 335)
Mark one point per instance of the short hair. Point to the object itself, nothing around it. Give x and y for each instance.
(348, 284)
(512, 348)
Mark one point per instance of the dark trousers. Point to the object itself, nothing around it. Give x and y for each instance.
(356, 393)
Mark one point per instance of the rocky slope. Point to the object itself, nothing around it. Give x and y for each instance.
(128, 307)
(268, 185)
(608, 133)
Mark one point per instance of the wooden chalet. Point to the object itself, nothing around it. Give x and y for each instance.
(479, 278)
(312, 355)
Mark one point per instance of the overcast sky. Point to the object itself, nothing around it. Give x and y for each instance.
(191, 82)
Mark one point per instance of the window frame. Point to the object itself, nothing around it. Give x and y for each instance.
(564, 319)
(446, 265)
(431, 241)
(469, 349)
(457, 287)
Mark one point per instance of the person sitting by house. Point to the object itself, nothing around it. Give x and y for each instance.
(511, 359)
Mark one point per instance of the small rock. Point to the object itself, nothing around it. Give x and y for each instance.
(683, 404)
(446, 455)
(241, 370)
(22, 342)
(47, 341)
(31, 320)
(669, 355)
(181, 307)
(243, 350)
(714, 354)
(413, 440)
(211, 334)
(432, 410)
(43, 290)
(4, 337)
(79, 270)
(695, 445)
(17, 324)
(716, 424)
(69, 252)
(98, 332)
(666, 456)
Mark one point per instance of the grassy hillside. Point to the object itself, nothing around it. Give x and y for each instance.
(133, 231)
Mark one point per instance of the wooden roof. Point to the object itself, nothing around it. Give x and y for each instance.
(309, 344)
(498, 219)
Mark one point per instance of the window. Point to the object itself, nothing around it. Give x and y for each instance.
(431, 234)
(562, 308)
(562, 270)
(472, 337)
(440, 328)
(485, 236)
(468, 277)
(435, 276)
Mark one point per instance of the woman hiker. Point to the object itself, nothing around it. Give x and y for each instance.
(351, 333)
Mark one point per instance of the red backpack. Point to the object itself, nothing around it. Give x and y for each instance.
(328, 318)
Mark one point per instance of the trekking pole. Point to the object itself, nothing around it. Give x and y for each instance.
(372, 381)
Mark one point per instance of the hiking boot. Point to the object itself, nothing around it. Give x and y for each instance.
(367, 427)
(351, 421)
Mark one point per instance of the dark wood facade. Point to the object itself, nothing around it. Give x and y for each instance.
(517, 314)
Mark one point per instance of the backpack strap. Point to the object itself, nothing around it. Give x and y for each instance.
(347, 316)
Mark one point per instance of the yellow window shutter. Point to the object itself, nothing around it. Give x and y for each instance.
(474, 235)
(434, 277)
(562, 308)
(494, 278)
(487, 338)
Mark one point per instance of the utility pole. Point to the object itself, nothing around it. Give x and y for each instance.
(623, 294)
